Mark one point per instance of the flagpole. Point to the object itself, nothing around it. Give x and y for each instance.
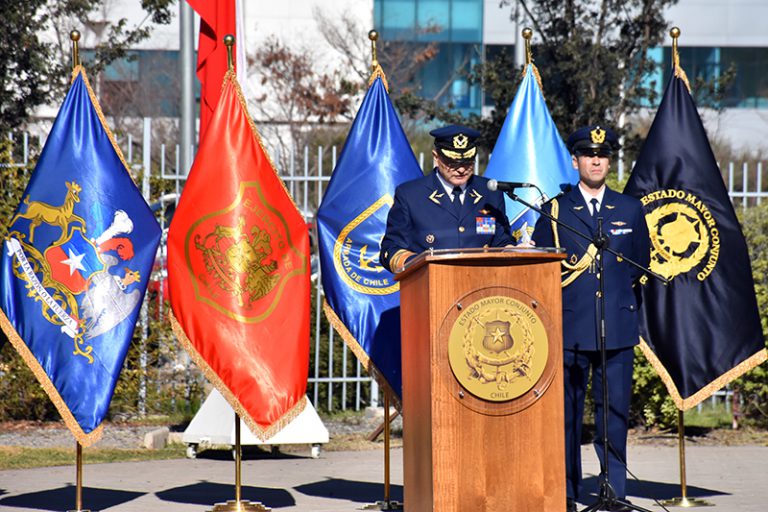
(527, 35)
(238, 504)
(386, 448)
(75, 37)
(373, 36)
(79, 478)
(387, 503)
(683, 500)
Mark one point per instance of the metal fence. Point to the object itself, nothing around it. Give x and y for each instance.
(335, 376)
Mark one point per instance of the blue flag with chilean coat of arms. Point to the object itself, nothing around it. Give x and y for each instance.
(362, 297)
(530, 150)
(75, 264)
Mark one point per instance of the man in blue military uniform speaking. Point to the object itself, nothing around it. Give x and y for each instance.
(450, 208)
(624, 224)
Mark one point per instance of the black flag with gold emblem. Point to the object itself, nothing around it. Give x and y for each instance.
(702, 330)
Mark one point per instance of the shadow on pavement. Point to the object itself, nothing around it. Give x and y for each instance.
(247, 453)
(64, 497)
(350, 490)
(210, 493)
(655, 490)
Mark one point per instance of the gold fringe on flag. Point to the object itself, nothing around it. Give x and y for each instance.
(85, 439)
(378, 73)
(262, 433)
(687, 403)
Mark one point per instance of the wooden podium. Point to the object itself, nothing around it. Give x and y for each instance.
(482, 382)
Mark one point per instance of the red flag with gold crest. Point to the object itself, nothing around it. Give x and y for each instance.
(238, 266)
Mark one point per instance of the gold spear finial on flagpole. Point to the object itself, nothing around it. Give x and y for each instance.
(75, 37)
(677, 68)
(527, 35)
(675, 33)
(373, 36)
(376, 70)
(229, 42)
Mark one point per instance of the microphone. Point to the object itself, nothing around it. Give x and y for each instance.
(494, 185)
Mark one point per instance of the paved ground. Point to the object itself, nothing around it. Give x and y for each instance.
(732, 478)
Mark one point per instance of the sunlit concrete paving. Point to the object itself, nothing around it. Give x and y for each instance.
(732, 478)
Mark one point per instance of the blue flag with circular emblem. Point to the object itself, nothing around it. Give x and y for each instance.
(362, 297)
(75, 264)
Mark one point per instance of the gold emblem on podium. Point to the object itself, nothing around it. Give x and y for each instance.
(498, 348)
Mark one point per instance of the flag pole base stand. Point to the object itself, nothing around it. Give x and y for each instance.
(79, 510)
(237, 506)
(686, 502)
(383, 505)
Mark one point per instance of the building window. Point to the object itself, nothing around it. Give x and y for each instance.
(144, 83)
(750, 87)
(457, 28)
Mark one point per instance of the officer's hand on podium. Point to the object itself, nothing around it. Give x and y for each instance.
(526, 245)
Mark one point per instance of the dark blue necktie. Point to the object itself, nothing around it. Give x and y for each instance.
(457, 200)
(595, 211)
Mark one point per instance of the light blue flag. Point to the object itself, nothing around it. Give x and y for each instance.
(75, 264)
(362, 297)
(529, 149)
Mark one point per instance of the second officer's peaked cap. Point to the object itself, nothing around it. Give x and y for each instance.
(593, 140)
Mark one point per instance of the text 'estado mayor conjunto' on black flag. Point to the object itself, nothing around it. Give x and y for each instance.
(702, 330)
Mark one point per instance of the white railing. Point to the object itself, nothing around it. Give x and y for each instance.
(306, 173)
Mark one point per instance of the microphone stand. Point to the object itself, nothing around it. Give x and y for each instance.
(607, 496)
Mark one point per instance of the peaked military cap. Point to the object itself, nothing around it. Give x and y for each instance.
(593, 140)
(456, 142)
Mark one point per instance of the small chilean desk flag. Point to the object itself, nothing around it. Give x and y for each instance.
(238, 265)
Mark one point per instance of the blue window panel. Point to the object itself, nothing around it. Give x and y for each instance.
(750, 86)
(434, 20)
(467, 21)
(398, 18)
(444, 77)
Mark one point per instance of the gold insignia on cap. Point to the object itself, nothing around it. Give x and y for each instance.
(458, 155)
(460, 141)
(597, 135)
(430, 238)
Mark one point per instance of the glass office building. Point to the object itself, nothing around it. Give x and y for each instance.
(455, 27)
